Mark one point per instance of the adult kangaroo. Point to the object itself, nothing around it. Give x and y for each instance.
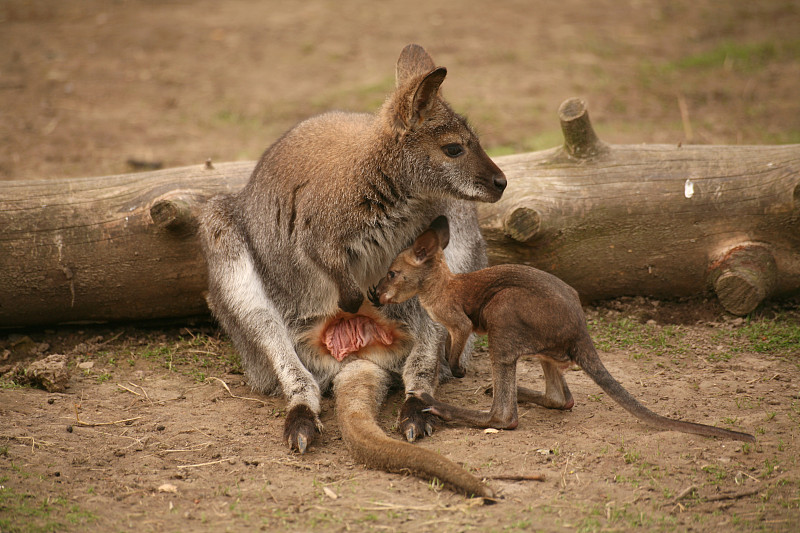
(327, 208)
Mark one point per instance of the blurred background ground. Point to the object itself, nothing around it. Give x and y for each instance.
(88, 86)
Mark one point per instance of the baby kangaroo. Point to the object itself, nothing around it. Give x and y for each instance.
(524, 311)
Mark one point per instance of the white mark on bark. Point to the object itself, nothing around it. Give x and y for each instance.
(688, 188)
(65, 269)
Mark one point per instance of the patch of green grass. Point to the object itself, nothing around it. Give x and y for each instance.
(630, 456)
(365, 98)
(10, 384)
(744, 57)
(197, 356)
(783, 137)
(32, 513)
(716, 474)
(613, 517)
(481, 342)
(435, 485)
(627, 333)
(779, 335)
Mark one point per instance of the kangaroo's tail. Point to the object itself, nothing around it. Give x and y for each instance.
(586, 356)
(359, 390)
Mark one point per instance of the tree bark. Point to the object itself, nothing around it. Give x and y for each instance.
(610, 220)
(106, 249)
(653, 220)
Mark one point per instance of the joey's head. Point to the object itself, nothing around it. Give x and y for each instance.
(438, 150)
(414, 269)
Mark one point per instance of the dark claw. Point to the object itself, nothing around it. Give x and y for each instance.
(302, 443)
(415, 420)
(372, 294)
(458, 371)
(300, 427)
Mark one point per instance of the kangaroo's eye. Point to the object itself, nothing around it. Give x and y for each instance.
(391, 274)
(452, 150)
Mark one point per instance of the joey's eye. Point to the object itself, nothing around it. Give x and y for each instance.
(452, 150)
(391, 274)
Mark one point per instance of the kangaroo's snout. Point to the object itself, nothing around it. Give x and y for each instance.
(493, 180)
(499, 182)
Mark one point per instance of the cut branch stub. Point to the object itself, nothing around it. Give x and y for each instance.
(580, 140)
(175, 212)
(522, 224)
(743, 277)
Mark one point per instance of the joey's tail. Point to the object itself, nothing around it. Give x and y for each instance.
(359, 390)
(586, 356)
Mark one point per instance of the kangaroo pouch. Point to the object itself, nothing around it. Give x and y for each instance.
(360, 334)
(347, 335)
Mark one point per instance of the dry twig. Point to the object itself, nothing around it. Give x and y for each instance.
(237, 397)
(685, 492)
(534, 477)
(81, 423)
(207, 464)
(735, 496)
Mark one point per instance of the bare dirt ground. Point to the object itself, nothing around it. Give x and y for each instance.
(147, 437)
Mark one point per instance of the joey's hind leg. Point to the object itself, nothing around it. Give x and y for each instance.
(556, 395)
(502, 415)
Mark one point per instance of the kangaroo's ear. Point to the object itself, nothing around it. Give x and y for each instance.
(441, 227)
(414, 61)
(425, 246)
(425, 96)
(411, 105)
(418, 82)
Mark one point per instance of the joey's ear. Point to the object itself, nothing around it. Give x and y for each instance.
(441, 227)
(425, 246)
(414, 61)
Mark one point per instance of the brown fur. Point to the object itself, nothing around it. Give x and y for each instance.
(359, 390)
(524, 311)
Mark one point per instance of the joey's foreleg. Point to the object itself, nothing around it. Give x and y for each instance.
(457, 336)
(502, 415)
(556, 395)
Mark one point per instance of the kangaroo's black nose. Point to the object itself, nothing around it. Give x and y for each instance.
(500, 182)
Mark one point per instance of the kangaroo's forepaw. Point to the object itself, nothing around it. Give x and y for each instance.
(300, 427)
(414, 420)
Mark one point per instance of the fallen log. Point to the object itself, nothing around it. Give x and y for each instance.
(653, 220)
(611, 220)
(112, 248)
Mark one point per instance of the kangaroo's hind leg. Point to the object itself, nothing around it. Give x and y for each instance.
(239, 299)
(556, 394)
